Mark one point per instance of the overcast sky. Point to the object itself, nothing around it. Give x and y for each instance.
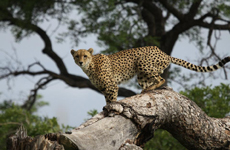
(70, 105)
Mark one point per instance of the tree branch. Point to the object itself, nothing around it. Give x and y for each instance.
(132, 122)
(69, 79)
(28, 104)
(171, 9)
(163, 109)
(215, 17)
(193, 9)
(47, 42)
(213, 53)
(215, 26)
(153, 17)
(159, 20)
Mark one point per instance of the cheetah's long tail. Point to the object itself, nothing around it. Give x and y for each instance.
(196, 68)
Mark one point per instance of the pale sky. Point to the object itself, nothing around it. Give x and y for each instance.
(70, 105)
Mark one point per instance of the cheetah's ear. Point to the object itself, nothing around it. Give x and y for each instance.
(91, 51)
(72, 51)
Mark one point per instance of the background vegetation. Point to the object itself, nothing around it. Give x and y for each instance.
(12, 116)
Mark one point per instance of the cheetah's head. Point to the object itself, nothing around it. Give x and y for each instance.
(82, 57)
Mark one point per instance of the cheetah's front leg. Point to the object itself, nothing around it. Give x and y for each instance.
(111, 93)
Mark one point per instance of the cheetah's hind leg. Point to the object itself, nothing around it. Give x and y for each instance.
(158, 82)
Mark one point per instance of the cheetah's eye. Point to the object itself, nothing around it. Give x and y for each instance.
(85, 56)
(77, 56)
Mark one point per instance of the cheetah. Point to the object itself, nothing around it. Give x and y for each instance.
(107, 71)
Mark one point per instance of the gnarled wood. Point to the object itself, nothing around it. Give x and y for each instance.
(129, 123)
(164, 109)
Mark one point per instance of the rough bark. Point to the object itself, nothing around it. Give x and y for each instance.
(129, 123)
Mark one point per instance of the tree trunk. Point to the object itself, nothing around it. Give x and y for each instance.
(129, 123)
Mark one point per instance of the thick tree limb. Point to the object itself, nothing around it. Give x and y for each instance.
(132, 121)
(160, 109)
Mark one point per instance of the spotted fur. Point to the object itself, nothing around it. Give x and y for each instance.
(107, 71)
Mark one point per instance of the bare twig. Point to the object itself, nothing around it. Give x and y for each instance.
(213, 47)
(33, 93)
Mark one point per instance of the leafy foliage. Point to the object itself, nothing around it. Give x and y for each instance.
(31, 12)
(214, 101)
(117, 24)
(163, 140)
(124, 24)
(92, 112)
(12, 116)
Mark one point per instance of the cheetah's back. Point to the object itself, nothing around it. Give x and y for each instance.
(124, 63)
